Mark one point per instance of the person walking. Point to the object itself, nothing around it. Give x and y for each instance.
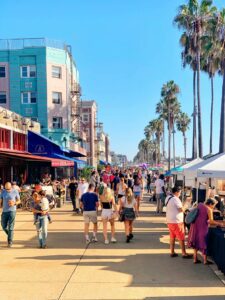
(9, 199)
(137, 190)
(81, 189)
(175, 222)
(73, 190)
(121, 188)
(89, 205)
(128, 209)
(109, 212)
(197, 237)
(160, 193)
(40, 211)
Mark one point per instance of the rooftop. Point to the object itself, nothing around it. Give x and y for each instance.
(24, 43)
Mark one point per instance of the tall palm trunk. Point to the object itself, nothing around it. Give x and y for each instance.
(169, 137)
(174, 149)
(211, 116)
(222, 117)
(163, 140)
(158, 148)
(185, 148)
(199, 99)
(194, 142)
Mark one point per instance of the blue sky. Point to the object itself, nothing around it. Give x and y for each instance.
(125, 50)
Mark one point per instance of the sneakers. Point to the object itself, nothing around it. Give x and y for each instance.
(94, 239)
(106, 242)
(87, 240)
(10, 245)
(113, 240)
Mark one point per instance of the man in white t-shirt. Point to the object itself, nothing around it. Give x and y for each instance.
(175, 222)
(81, 189)
(160, 193)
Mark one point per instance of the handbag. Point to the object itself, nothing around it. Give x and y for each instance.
(191, 216)
(121, 216)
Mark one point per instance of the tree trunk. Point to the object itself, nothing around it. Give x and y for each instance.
(199, 102)
(211, 117)
(163, 140)
(185, 148)
(174, 150)
(169, 137)
(222, 118)
(194, 142)
(158, 142)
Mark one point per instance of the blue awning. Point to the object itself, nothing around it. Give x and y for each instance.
(102, 162)
(40, 145)
(80, 163)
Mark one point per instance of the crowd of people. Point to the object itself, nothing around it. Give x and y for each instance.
(116, 196)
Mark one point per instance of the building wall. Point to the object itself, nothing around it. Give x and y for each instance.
(89, 108)
(43, 84)
(4, 83)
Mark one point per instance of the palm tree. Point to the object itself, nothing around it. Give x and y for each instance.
(210, 63)
(143, 148)
(168, 108)
(189, 58)
(182, 123)
(219, 48)
(193, 18)
(156, 127)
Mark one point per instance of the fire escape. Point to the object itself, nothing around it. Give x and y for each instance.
(76, 103)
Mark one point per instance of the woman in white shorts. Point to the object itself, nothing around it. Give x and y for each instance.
(109, 212)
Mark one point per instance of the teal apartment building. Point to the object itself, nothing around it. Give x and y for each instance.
(39, 80)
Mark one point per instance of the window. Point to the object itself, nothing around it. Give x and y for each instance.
(19, 141)
(56, 97)
(34, 119)
(4, 138)
(28, 71)
(3, 98)
(56, 72)
(85, 118)
(2, 71)
(28, 97)
(57, 122)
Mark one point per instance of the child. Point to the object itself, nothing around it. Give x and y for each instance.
(43, 206)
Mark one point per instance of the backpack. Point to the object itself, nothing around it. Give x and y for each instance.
(191, 216)
(101, 189)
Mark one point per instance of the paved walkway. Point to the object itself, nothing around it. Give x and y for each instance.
(69, 269)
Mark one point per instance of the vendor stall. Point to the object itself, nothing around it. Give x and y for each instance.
(216, 247)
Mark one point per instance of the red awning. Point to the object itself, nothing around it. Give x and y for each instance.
(55, 162)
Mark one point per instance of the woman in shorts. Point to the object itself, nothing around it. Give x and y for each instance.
(137, 189)
(109, 212)
(128, 207)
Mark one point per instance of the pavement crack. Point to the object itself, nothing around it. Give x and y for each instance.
(73, 272)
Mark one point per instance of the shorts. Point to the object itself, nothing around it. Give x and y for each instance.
(107, 214)
(90, 216)
(120, 196)
(137, 194)
(176, 231)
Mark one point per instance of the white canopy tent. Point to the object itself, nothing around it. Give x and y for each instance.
(181, 175)
(192, 171)
(214, 168)
(187, 165)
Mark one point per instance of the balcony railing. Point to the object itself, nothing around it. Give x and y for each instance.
(16, 44)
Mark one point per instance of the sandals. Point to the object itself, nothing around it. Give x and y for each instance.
(174, 255)
(197, 261)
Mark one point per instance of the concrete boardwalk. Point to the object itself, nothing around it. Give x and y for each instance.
(68, 269)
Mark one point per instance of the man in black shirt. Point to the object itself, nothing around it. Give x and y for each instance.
(72, 190)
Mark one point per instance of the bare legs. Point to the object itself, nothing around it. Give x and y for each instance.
(105, 232)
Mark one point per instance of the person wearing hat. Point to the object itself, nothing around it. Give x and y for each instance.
(9, 199)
